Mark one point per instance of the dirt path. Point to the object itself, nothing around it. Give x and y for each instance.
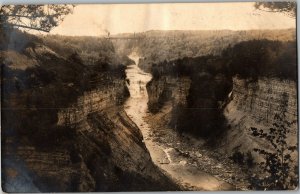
(169, 159)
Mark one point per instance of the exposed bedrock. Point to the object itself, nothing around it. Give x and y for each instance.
(165, 89)
(111, 144)
(105, 151)
(197, 102)
(254, 104)
(85, 143)
(204, 108)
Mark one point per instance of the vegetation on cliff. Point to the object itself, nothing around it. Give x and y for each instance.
(211, 89)
(279, 168)
(211, 78)
(42, 76)
(35, 93)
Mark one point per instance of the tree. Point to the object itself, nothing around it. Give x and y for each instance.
(287, 7)
(34, 17)
(278, 170)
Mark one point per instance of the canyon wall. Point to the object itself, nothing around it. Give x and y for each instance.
(106, 151)
(71, 133)
(196, 102)
(93, 101)
(230, 93)
(250, 103)
(254, 104)
(166, 89)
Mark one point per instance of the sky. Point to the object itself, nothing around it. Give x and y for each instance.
(98, 19)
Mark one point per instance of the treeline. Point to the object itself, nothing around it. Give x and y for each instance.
(211, 78)
(262, 58)
(91, 49)
(157, 46)
(249, 59)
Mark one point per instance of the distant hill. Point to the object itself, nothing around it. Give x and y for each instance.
(90, 49)
(156, 46)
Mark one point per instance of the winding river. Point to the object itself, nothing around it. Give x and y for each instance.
(181, 171)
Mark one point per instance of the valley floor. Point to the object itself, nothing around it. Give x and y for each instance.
(188, 159)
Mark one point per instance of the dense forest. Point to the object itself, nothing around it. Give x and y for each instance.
(253, 58)
(158, 46)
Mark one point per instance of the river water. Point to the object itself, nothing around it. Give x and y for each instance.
(181, 171)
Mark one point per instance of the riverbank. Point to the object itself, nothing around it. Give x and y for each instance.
(213, 170)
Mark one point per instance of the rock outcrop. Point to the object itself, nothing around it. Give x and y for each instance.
(197, 102)
(72, 134)
(254, 104)
(251, 103)
(165, 89)
(107, 152)
(111, 144)
(93, 101)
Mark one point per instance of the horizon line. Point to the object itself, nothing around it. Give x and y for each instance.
(147, 31)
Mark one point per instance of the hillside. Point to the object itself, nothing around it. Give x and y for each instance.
(63, 121)
(158, 46)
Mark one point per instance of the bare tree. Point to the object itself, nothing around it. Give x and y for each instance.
(34, 17)
(286, 7)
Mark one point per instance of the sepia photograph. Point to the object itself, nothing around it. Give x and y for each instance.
(149, 97)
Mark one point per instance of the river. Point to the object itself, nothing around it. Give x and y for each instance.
(179, 169)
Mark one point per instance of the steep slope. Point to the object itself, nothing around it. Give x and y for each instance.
(64, 128)
(227, 95)
(255, 104)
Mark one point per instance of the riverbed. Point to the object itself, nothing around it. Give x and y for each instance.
(166, 157)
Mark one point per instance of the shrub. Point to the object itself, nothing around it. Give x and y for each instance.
(277, 169)
(249, 160)
(238, 157)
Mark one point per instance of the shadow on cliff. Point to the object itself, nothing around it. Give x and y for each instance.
(103, 151)
(201, 111)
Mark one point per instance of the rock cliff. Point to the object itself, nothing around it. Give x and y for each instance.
(165, 89)
(230, 93)
(196, 102)
(250, 103)
(71, 133)
(105, 151)
(254, 104)
(92, 101)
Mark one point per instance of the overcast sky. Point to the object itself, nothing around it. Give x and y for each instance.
(95, 20)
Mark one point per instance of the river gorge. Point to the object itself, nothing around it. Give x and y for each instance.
(181, 168)
(123, 114)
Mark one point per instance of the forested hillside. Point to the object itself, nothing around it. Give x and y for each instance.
(158, 46)
(92, 50)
